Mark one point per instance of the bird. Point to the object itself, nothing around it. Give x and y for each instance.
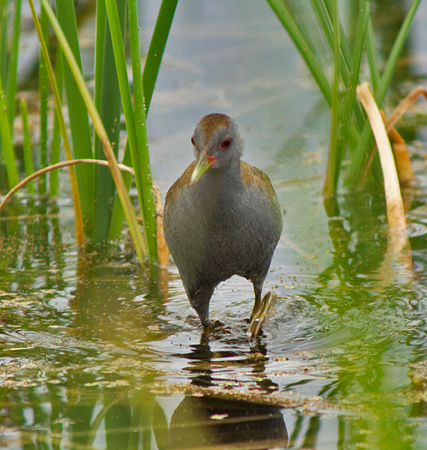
(222, 217)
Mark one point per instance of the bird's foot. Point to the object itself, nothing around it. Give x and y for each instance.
(260, 316)
(214, 327)
(210, 326)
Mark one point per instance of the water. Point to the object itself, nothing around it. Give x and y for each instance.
(99, 353)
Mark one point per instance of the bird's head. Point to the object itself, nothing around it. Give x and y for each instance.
(217, 144)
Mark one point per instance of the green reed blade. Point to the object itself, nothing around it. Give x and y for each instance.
(334, 159)
(151, 70)
(346, 52)
(371, 55)
(117, 215)
(4, 20)
(12, 66)
(101, 18)
(284, 15)
(315, 24)
(357, 50)
(325, 19)
(61, 121)
(28, 155)
(7, 152)
(356, 164)
(395, 53)
(43, 95)
(350, 65)
(79, 121)
(133, 137)
(157, 48)
(349, 132)
(138, 239)
(6, 141)
(149, 209)
(56, 137)
(110, 112)
(100, 31)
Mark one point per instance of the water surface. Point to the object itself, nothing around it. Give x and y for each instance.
(96, 352)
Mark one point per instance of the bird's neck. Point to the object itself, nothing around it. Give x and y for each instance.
(220, 186)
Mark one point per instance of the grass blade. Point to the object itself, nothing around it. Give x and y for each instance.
(371, 55)
(117, 215)
(157, 48)
(359, 40)
(334, 160)
(356, 164)
(4, 16)
(149, 211)
(56, 138)
(73, 180)
(12, 66)
(28, 157)
(147, 207)
(6, 141)
(283, 13)
(79, 121)
(43, 95)
(151, 70)
(396, 50)
(110, 112)
(101, 17)
(140, 245)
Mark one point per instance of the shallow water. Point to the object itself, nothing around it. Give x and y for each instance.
(99, 353)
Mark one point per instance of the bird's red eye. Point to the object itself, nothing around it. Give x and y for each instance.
(226, 143)
(192, 140)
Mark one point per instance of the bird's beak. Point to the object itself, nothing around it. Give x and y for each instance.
(203, 164)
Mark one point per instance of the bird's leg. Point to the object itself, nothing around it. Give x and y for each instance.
(257, 304)
(207, 327)
(199, 300)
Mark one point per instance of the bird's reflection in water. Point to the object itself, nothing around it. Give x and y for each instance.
(203, 422)
(211, 421)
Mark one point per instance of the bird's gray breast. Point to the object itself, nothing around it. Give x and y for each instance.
(214, 234)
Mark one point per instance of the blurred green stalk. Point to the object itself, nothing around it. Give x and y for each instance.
(6, 141)
(56, 138)
(143, 173)
(12, 65)
(8, 68)
(108, 98)
(28, 156)
(78, 115)
(334, 158)
(43, 98)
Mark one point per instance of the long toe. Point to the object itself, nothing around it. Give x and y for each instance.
(267, 305)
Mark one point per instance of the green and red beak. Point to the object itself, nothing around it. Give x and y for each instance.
(204, 163)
